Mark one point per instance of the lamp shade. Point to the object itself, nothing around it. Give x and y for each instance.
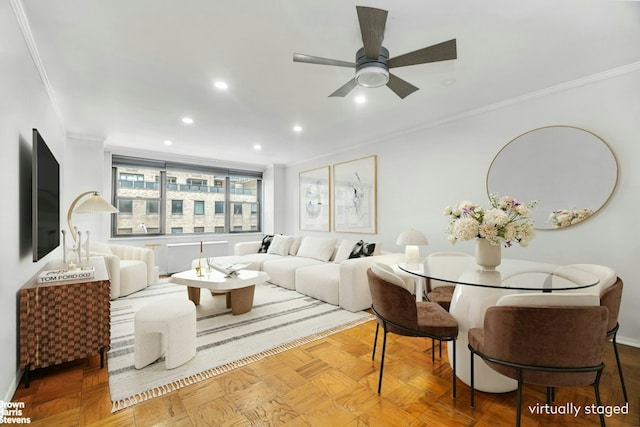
(94, 204)
(412, 237)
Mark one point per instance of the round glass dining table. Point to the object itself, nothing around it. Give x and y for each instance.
(477, 288)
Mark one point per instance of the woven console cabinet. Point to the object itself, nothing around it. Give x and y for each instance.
(62, 321)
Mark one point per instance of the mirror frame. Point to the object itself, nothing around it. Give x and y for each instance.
(578, 218)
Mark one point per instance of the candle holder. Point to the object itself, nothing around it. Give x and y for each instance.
(199, 266)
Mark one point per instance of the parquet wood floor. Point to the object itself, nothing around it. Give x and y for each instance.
(330, 382)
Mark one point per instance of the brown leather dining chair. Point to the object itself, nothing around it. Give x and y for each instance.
(611, 298)
(398, 312)
(537, 345)
(610, 292)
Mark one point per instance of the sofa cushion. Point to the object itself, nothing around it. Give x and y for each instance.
(344, 250)
(295, 245)
(266, 241)
(280, 245)
(282, 271)
(320, 248)
(320, 281)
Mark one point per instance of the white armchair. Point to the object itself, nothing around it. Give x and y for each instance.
(131, 268)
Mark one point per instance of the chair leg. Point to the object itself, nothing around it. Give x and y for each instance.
(615, 350)
(519, 403)
(551, 395)
(375, 342)
(384, 347)
(472, 399)
(596, 387)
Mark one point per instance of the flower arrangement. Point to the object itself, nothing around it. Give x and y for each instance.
(504, 221)
(564, 217)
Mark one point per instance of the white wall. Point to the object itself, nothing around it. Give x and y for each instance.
(24, 104)
(423, 171)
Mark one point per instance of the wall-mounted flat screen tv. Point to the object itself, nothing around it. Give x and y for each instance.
(45, 199)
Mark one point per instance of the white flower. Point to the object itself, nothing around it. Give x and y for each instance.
(505, 221)
(496, 217)
(566, 217)
(465, 228)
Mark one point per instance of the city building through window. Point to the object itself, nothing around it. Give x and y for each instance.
(155, 197)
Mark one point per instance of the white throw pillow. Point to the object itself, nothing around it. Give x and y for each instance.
(295, 245)
(280, 245)
(342, 254)
(317, 248)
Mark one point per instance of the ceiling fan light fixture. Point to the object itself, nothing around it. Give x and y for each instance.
(373, 75)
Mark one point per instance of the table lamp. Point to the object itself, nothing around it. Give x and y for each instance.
(94, 204)
(411, 239)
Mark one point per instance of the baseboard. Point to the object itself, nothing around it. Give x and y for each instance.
(11, 391)
(628, 341)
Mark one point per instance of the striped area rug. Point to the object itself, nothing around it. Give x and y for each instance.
(281, 319)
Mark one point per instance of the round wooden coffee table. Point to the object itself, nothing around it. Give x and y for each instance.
(239, 289)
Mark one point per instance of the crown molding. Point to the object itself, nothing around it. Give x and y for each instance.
(181, 158)
(79, 137)
(23, 23)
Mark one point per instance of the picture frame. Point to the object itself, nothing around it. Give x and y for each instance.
(315, 199)
(355, 196)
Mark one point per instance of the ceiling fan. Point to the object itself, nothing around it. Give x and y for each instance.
(373, 62)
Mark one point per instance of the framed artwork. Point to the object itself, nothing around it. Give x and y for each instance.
(355, 196)
(315, 199)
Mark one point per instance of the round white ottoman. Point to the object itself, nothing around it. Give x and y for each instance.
(165, 327)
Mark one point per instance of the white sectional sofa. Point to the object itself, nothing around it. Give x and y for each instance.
(314, 266)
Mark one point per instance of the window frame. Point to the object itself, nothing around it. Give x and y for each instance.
(223, 181)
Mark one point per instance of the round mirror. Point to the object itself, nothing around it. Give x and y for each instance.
(570, 171)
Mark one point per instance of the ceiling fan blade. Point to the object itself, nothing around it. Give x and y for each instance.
(372, 22)
(346, 88)
(400, 87)
(299, 57)
(438, 52)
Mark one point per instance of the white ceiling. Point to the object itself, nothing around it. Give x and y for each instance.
(126, 71)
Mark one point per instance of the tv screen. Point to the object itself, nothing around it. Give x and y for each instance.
(45, 199)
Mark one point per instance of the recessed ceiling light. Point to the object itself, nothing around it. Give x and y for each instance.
(219, 84)
(167, 142)
(297, 128)
(360, 99)
(257, 147)
(187, 120)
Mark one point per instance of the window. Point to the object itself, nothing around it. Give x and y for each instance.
(198, 207)
(153, 207)
(125, 206)
(176, 207)
(157, 197)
